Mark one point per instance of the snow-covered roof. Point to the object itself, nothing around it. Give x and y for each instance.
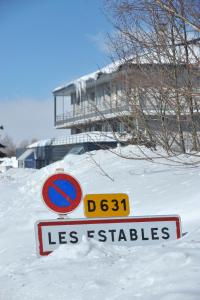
(95, 136)
(26, 154)
(145, 58)
(41, 143)
(81, 81)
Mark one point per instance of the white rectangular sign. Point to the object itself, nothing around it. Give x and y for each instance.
(130, 231)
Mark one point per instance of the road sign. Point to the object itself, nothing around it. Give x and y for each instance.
(106, 205)
(61, 193)
(130, 231)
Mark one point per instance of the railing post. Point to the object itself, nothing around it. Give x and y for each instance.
(55, 110)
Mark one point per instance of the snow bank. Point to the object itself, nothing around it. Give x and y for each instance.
(7, 163)
(95, 271)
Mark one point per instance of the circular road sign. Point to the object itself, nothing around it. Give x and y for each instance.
(61, 193)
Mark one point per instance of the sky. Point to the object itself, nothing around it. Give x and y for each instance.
(44, 44)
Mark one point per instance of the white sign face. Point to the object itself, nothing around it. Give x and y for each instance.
(129, 231)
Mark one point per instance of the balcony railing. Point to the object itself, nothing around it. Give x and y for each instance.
(83, 115)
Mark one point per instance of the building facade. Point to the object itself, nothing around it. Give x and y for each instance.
(106, 99)
(91, 103)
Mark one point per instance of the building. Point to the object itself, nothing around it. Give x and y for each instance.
(45, 152)
(91, 102)
(126, 97)
(123, 101)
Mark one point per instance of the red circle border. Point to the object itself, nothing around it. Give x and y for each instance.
(47, 200)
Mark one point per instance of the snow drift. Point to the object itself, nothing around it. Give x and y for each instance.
(91, 270)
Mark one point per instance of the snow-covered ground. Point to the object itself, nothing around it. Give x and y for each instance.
(7, 163)
(95, 271)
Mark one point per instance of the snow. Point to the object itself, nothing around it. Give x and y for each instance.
(94, 136)
(8, 162)
(41, 143)
(80, 83)
(91, 270)
(145, 58)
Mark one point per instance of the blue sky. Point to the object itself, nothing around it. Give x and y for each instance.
(45, 43)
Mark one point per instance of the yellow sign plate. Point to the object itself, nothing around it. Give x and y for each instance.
(106, 205)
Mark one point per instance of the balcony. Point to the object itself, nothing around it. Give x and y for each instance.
(83, 115)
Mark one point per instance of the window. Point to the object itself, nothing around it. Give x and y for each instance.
(76, 150)
(73, 98)
(92, 96)
(107, 91)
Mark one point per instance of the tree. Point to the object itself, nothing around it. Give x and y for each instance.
(192, 19)
(158, 43)
(26, 142)
(10, 147)
(2, 153)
